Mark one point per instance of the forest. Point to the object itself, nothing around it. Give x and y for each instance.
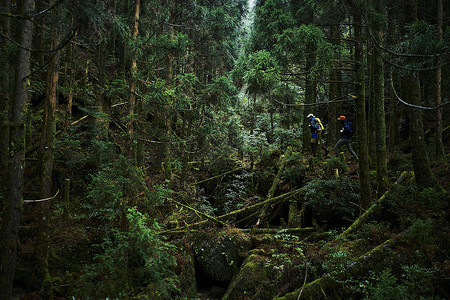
(224, 149)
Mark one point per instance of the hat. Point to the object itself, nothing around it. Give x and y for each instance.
(342, 118)
(310, 116)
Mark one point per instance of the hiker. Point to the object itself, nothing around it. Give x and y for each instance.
(316, 133)
(346, 137)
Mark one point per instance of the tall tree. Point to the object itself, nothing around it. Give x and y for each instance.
(46, 151)
(5, 99)
(411, 82)
(439, 141)
(359, 83)
(378, 105)
(132, 82)
(335, 90)
(13, 205)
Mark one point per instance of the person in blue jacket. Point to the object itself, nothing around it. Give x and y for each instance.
(316, 133)
(346, 137)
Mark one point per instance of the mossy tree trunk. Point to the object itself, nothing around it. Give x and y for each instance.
(46, 150)
(133, 85)
(310, 88)
(102, 104)
(335, 93)
(361, 120)
(439, 142)
(13, 205)
(421, 164)
(379, 113)
(371, 115)
(5, 102)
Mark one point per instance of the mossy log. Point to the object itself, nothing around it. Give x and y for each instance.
(199, 213)
(243, 211)
(265, 211)
(358, 222)
(219, 176)
(293, 231)
(316, 288)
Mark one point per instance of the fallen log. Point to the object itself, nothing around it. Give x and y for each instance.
(247, 209)
(200, 213)
(358, 222)
(218, 176)
(293, 231)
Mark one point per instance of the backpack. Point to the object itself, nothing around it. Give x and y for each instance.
(319, 125)
(348, 126)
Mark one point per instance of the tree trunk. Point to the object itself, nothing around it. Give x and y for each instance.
(379, 115)
(394, 107)
(439, 142)
(309, 99)
(361, 109)
(421, 164)
(70, 67)
(335, 93)
(101, 103)
(371, 118)
(46, 164)
(133, 82)
(12, 213)
(5, 103)
(310, 88)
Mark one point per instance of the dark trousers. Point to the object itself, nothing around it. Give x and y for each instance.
(348, 143)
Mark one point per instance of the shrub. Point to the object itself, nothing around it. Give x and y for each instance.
(130, 263)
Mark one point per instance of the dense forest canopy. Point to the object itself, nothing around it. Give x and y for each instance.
(165, 149)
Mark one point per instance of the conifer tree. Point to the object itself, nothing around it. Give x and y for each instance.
(13, 206)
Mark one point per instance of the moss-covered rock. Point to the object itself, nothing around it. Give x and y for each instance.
(220, 254)
(263, 275)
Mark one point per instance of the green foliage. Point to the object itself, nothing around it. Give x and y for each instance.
(409, 203)
(115, 178)
(337, 260)
(131, 263)
(294, 170)
(236, 190)
(386, 286)
(221, 93)
(333, 163)
(417, 279)
(159, 194)
(398, 163)
(286, 137)
(421, 232)
(332, 201)
(298, 42)
(262, 72)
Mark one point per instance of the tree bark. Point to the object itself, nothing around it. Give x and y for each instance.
(421, 164)
(46, 163)
(371, 114)
(12, 213)
(335, 93)
(310, 89)
(5, 104)
(361, 120)
(439, 142)
(379, 115)
(133, 83)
